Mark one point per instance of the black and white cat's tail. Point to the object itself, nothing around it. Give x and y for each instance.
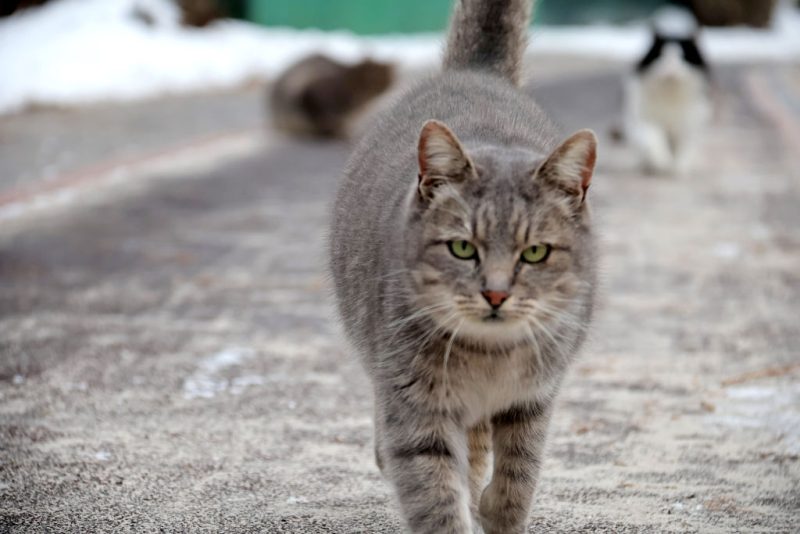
(489, 35)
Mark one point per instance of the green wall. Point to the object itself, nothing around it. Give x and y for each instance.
(409, 16)
(360, 16)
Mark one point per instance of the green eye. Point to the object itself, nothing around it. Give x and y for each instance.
(463, 250)
(536, 253)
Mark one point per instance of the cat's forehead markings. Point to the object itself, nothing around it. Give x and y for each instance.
(515, 216)
(449, 211)
(503, 160)
(519, 221)
(503, 153)
(482, 222)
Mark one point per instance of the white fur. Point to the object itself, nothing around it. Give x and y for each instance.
(667, 109)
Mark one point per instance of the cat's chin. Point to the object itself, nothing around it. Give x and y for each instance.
(493, 331)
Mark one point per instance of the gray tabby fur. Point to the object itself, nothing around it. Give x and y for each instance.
(455, 383)
(489, 36)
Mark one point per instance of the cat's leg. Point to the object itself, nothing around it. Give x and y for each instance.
(518, 437)
(653, 145)
(378, 435)
(479, 439)
(425, 457)
(686, 149)
(684, 158)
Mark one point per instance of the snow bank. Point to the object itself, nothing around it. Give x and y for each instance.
(81, 51)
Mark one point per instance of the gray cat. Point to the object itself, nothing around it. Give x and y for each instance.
(321, 97)
(464, 269)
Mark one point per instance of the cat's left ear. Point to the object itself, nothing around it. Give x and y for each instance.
(441, 158)
(570, 167)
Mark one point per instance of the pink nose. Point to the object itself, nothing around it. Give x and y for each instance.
(495, 298)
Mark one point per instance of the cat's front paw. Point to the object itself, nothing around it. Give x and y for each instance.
(499, 514)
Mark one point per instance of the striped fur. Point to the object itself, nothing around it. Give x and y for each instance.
(489, 35)
(456, 382)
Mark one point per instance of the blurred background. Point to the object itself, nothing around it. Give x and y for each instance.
(169, 357)
(362, 16)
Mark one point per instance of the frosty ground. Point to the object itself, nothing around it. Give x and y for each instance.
(169, 359)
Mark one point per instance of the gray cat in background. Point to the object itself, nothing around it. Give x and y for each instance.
(464, 267)
(321, 97)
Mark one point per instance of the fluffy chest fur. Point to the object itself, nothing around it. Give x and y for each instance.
(480, 384)
(675, 101)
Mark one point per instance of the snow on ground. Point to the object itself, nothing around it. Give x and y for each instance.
(214, 376)
(82, 51)
(205, 382)
(772, 409)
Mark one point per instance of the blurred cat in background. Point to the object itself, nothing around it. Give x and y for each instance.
(320, 97)
(668, 99)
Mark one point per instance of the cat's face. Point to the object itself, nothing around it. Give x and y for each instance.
(670, 56)
(501, 240)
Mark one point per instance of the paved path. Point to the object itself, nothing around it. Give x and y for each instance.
(43, 145)
(169, 361)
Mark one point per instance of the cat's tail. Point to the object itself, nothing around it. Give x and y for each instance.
(489, 35)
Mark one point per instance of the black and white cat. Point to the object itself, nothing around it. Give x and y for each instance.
(668, 102)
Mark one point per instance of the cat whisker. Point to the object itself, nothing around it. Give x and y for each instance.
(536, 347)
(393, 273)
(560, 316)
(447, 352)
(543, 329)
(398, 326)
(444, 325)
(422, 342)
(557, 315)
(419, 313)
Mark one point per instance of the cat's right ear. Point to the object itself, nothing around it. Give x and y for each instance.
(441, 158)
